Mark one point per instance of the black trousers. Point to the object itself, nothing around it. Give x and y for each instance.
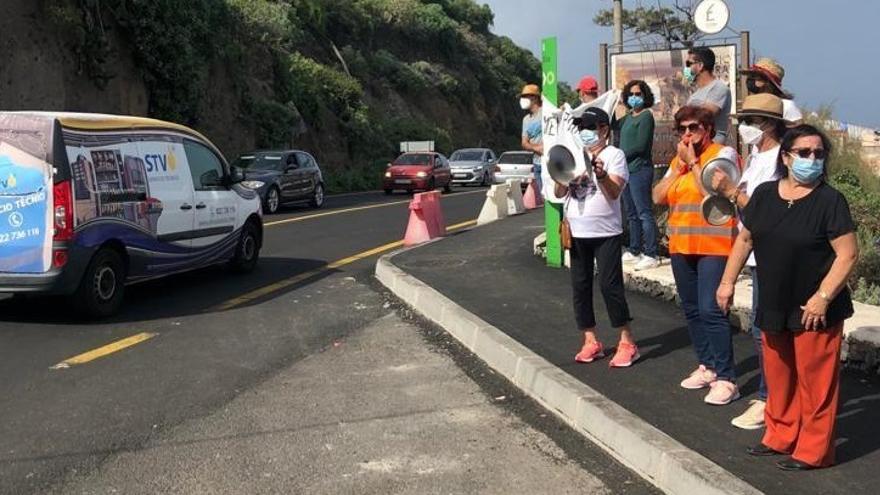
(606, 251)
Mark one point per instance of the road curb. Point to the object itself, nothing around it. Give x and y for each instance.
(654, 455)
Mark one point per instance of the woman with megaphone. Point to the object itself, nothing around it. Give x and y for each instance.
(698, 251)
(594, 224)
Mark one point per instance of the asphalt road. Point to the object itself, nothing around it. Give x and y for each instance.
(215, 337)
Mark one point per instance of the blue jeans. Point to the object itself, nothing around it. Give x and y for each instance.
(756, 336)
(637, 202)
(696, 279)
(536, 169)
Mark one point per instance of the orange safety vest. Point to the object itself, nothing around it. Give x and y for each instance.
(688, 231)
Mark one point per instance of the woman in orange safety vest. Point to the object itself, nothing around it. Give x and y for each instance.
(698, 251)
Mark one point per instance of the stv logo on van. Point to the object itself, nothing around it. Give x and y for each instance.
(161, 163)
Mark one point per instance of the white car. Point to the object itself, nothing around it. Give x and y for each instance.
(514, 165)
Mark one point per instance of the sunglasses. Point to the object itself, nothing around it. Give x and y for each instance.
(817, 153)
(688, 63)
(690, 127)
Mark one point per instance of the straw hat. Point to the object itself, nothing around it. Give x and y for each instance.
(770, 70)
(761, 105)
(530, 90)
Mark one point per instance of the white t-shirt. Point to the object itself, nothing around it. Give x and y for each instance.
(790, 111)
(760, 168)
(596, 215)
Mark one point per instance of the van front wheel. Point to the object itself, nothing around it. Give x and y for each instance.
(248, 250)
(102, 288)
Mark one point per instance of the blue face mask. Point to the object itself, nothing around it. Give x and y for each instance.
(589, 137)
(807, 170)
(689, 75)
(635, 101)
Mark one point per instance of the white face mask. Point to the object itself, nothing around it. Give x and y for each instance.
(525, 103)
(750, 135)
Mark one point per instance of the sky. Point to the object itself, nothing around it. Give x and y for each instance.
(830, 54)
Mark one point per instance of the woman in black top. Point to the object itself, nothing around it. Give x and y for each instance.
(805, 247)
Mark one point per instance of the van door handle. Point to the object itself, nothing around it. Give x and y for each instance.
(201, 206)
(186, 206)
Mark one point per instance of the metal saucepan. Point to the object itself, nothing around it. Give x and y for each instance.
(723, 164)
(717, 210)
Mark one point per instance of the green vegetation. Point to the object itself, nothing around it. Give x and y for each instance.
(345, 79)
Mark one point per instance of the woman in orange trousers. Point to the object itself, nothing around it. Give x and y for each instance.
(803, 237)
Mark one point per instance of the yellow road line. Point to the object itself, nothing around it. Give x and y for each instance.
(282, 284)
(348, 210)
(104, 350)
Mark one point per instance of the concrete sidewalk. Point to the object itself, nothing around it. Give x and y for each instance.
(385, 411)
(487, 279)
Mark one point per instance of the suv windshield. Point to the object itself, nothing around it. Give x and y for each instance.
(413, 159)
(516, 158)
(259, 161)
(467, 156)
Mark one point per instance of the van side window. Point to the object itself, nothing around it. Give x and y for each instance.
(205, 167)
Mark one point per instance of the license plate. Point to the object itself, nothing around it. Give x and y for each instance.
(403, 181)
(460, 176)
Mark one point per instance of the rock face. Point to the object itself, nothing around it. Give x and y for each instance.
(344, 80)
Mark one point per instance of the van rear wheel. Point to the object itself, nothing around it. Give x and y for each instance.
(102, 288)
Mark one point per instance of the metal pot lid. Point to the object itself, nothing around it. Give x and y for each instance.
(725, 165)
(717, 210)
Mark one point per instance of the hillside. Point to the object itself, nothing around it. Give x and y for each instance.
(345, 79)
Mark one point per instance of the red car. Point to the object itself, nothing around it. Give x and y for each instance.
(424, 171)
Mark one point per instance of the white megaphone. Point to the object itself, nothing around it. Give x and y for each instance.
(565, 156)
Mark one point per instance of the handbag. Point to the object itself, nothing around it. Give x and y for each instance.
(564, 227)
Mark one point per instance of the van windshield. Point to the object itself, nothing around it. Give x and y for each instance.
(259, 161)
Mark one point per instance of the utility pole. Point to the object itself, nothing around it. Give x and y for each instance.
(618, 26)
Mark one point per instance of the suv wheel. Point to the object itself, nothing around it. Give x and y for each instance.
(273, 200)
(102, 288)
(318, 196)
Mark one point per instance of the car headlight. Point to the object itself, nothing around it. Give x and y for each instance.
(477, 169)
(253, 184)
(422, 174)
(388, 174)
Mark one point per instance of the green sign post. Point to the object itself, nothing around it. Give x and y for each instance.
(552, 211)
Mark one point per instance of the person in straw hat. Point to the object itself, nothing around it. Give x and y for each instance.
(765, 77)
(532, 130)
(761, 126)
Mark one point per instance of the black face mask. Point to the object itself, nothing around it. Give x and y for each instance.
(753, 87)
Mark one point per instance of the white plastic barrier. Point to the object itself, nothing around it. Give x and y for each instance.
(515, 204)
(495, 207)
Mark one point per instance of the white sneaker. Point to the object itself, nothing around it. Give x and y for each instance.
(628, 257)
(646, 263)
(753, 418)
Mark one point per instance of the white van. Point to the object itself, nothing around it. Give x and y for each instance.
(90, 203)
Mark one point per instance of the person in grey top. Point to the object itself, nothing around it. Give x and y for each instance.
(711, 93)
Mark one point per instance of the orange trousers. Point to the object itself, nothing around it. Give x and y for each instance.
(802, 370)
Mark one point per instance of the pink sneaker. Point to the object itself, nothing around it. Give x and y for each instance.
(590, 352)
(625, 356)
(702, 377)
(722, 392)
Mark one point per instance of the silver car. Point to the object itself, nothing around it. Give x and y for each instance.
(514, 165)
(473, 166)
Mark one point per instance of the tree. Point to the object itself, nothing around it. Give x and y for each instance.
(667, 25)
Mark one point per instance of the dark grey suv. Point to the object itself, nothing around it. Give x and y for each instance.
(283, 177)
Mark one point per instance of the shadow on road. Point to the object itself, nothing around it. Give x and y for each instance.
(190, 293)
